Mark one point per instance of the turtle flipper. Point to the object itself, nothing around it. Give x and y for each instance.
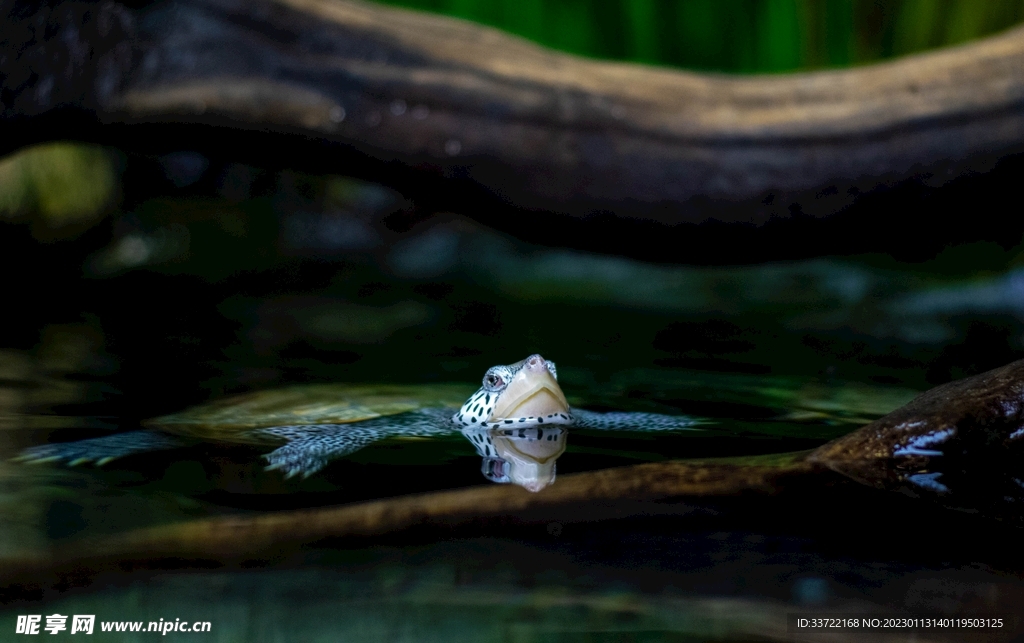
(100, 450)
(310, 447)
(617, 421)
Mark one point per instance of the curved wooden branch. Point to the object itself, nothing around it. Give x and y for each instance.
(645, 489)
(541, 129)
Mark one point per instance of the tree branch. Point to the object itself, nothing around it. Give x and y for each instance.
(540, 129)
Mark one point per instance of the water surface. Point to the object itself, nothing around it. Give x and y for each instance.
(177, 300)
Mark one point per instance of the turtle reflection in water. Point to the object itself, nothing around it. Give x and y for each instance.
(517, 422)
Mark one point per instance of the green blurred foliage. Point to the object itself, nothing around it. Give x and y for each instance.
(740, 36)
(61, 187)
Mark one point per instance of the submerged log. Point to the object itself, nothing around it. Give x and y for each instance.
(411, 94)
(645, 489)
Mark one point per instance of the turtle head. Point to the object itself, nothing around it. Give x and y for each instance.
(521, 394)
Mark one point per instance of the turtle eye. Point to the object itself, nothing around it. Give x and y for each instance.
(494, 381)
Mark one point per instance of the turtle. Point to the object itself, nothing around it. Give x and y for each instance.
(518, 422)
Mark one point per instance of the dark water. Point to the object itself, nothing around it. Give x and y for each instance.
(248, 279)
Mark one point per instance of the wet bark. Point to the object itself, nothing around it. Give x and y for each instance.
(362, 86)
(959, 444)
(979, 417)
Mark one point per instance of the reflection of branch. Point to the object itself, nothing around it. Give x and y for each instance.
(543, 129)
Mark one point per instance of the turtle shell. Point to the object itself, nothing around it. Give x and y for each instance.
(232, 419)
